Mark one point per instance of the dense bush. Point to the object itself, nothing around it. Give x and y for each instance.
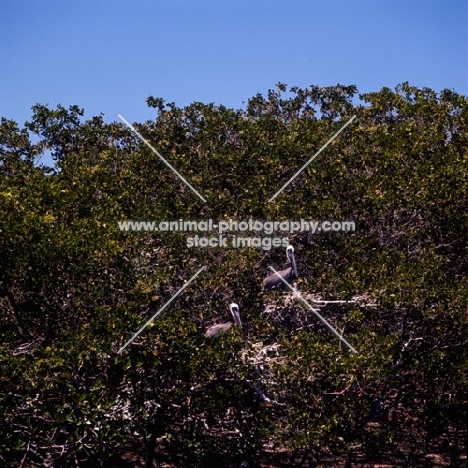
(74, 288)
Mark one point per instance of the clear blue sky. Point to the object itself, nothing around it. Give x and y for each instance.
(109, 55)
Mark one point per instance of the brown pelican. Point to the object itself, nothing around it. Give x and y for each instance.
(215, 330)
(274, 281)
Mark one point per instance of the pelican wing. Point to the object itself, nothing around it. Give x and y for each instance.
(274, 281)
(216, 330)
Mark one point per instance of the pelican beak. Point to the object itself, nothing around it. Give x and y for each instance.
(235, 313)
(292, 259)
(293, 264)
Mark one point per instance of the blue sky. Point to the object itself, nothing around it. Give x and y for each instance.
(108, 56)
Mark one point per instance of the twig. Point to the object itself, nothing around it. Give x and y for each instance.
(26, 453)
(335, 302)
(262, 395)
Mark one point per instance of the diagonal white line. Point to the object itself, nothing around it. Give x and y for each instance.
(161, 309)
(162, 159)
(312, 158)
(315, 311)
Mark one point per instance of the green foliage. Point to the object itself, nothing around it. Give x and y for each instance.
(74, 288)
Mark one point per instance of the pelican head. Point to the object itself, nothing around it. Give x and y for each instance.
(290, 256)
(234, 308)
